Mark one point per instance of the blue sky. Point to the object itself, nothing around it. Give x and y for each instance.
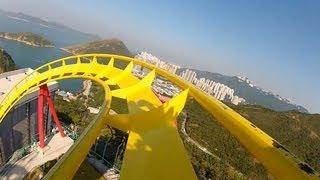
(274, 43)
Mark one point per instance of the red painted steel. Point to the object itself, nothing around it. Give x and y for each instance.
(53, 112)
(40, 117)
(44, 94)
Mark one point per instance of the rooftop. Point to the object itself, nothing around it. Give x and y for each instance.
(56, 147)
(9, 79)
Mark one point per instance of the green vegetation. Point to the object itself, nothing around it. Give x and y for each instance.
(119, 105)
(6, 62)
(27, 38)
(297, 131)
(74, 112)
(208, 167)
(40, 171)
(235, 160)
(86, 171)
(96, 97)
(110, 46)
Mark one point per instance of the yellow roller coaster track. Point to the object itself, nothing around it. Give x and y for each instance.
(154, 149)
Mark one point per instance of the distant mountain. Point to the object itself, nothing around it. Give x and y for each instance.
(49, 24)
(110, 46)
(27, 38)
(251, 93)
(6, 62)
(60, 35)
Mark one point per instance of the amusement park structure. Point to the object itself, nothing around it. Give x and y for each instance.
(154, 149)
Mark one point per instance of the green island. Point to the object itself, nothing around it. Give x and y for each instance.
(28, 38)
(110, 46)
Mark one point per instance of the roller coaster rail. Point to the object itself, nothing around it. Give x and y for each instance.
(154, 149)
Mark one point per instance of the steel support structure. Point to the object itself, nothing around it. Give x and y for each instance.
(154, 149)
(43, 98)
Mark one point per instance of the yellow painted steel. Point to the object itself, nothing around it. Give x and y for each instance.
(154, 149)
(147, 154)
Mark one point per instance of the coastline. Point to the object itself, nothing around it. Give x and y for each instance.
(65, 50)
(26, 42)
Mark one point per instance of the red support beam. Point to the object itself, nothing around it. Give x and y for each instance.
(53, 113)
(44, 96)
(40, 117)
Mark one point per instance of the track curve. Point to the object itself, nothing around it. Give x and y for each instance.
(154, 148)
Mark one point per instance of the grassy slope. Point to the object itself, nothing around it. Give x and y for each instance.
(202, 127)
(297, 131)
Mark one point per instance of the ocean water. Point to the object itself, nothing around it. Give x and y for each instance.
(27, 56)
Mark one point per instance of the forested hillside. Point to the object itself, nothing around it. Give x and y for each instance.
(109, 46)
(297, 131)
(6, 62)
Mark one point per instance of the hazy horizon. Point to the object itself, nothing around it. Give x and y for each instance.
(274, 44)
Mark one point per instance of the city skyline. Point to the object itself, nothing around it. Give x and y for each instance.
(273, 43)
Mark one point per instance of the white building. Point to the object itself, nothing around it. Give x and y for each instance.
(189, 75)
(220, 91)
(157, 62)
